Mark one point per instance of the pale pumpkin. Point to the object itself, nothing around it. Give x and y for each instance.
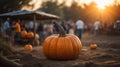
(36, 42)
(37, 36)
(93, 46)
(28, 47)
(30, 35)
(62, 46)
(23, 34)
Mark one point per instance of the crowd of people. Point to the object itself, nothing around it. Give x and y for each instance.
(12, 28)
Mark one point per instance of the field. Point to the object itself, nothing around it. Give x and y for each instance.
(107, 54)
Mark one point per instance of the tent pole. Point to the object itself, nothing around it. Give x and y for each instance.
(34, 18)
(34, 23)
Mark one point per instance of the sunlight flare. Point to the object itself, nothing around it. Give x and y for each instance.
(102, 4)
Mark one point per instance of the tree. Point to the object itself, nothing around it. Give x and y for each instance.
(90, 13)
(11, 5)
(52, 7)
(74, 11)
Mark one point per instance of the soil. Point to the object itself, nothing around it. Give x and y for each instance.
(107, 54)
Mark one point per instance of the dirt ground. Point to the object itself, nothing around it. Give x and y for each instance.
(107, 54)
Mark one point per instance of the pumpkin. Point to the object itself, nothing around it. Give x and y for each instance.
(62, 46)
(30, 35)
(36, 42)
(23, 34)
(93, 46)
(37, 36)
(28, 47)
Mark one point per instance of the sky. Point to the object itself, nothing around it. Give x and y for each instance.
(101, 4)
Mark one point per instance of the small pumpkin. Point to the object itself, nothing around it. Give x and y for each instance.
(62, 46)
(30, 35)
(23, 34)
(28, 47)
(93, 46)
(37, 36)
(36, 42)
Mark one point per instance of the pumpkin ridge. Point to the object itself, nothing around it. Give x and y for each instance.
(53, 47)
(46, 46)
(49, 46)
(70, 47)
(59, 47)
(74, 46)
(78, 42)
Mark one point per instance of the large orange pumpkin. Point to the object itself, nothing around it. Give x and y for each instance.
(62, 46)
(23, 34)
(30, 35)
(28, 47)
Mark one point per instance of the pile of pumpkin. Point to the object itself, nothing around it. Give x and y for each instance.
(25, 34)
(62, 46)
(30, 36)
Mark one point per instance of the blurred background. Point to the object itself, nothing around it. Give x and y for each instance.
(107, 11)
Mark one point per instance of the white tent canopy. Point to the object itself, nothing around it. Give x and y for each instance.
(28, 15)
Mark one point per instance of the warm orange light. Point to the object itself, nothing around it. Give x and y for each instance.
(101, 4)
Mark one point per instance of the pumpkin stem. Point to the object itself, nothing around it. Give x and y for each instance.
(61, 30)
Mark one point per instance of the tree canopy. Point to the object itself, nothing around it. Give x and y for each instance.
(53, 8)
(12, 5)
(88, 13)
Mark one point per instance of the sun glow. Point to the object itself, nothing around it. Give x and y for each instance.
(100, 4)
(35, 5)
(103, 4)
